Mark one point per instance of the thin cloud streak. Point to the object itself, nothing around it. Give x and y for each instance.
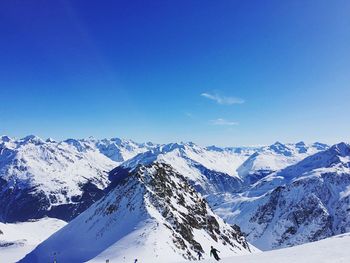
(223, 100)
(223, 122)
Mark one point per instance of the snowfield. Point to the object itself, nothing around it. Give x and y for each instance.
(330, 250)
(17, 240)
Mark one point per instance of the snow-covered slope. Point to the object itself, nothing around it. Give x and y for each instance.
(152, 214)
(330, 250)
(304, 202)
(57, 179)
(16, 240)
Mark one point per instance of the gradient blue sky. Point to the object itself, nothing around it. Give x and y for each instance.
(213, 72)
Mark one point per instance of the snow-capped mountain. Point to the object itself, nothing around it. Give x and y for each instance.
(120, 150)
(152, 214)
(116, 149)
(57, 179)
(304, 202)
(213, 170)
(209, 170)
(275, 157)
(262, 189)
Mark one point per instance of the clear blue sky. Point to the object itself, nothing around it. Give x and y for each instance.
(213, 72)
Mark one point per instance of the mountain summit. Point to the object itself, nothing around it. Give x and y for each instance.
(152, 213)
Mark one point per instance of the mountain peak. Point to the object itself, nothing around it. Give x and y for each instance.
(280, 148)
(50, 140)
(152, 207)
(5, 138)
(342, 148)
(320, 146)
(324, 161)
(214, 148)
(32, 139)
(301, 147)
(78, 144)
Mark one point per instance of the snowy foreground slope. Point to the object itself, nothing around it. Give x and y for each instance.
(330, 250)
(17, 240)
(305, 202)
(152, 214)
(58, 179)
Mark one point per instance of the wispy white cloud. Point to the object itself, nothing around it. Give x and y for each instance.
(223, 122)
(224, 100)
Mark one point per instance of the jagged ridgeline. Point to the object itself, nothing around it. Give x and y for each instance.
(57, 179)
(151, 213)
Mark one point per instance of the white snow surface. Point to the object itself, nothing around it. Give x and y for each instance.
(330, 250)
(18, 239)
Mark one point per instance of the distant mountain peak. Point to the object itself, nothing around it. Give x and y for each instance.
(280, 148)
(5, 138)
(50, 140)
(320, 146)
(32, 139)
(342, 148)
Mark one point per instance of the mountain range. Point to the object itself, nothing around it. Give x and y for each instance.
(276, 196)
(58, 179)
